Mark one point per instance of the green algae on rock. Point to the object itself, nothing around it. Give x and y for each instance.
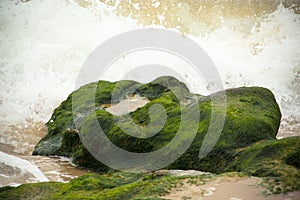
(276, 159)
(118, 185)
(252, 116)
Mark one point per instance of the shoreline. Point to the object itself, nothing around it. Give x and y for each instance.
(59, 169)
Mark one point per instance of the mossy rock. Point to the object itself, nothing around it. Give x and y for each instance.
(113, 186)
(252, 115)
(271, 158)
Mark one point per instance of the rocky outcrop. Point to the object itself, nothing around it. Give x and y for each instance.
(252, 119)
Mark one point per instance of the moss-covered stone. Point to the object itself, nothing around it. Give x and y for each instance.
(114, 186)
(252, 119)
(271, 158)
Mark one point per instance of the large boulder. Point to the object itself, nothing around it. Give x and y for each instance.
(252, 115)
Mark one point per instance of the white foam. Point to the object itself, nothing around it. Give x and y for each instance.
(24, 165)
(269, 57)
(43, 45)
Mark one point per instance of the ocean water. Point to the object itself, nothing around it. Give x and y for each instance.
(44, 43)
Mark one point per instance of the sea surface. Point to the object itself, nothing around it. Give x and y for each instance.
(44, 43)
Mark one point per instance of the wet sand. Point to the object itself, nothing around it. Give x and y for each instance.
(130, 104)
(228, 188)
(19, 140)
(54, 168)
(13, 176)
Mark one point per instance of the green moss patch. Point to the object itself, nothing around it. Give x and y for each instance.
(114, 186)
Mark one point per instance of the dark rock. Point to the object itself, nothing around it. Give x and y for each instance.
(252, 115)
